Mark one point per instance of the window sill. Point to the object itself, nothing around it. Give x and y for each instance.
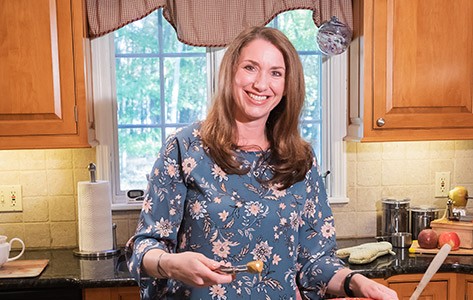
(338, 200)
(126, 206)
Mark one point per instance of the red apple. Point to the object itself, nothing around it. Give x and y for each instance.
(427, 239)
(451, 238)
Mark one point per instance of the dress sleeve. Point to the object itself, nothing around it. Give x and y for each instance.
(316, 258)
(162, 209)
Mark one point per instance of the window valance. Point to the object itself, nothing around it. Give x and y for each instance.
(210, 23)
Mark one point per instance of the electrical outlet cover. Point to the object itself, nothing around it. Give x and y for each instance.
(442, 184)
(11, 198)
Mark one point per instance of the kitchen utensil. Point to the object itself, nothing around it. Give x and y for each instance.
(333, 37)
(5, 248)
(395, 216)
(452, 212)
(401, 239)
(255, 266)
(420, 218)
(434, 265)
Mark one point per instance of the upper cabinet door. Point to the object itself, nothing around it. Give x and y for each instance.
(42, 79)
(418, 69)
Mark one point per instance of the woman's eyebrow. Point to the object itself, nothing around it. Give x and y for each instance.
(256, 63)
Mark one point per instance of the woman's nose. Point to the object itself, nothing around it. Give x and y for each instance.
(261, 82)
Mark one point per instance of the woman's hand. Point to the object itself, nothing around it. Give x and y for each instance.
(191, 268)
(371, 289)
(360, 285)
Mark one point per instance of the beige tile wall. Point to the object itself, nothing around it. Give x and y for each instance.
(399, 170)
(49, 189)
(375, 170)
(48, 179)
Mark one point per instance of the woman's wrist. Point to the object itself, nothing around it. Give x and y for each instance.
(162, 273)
(156, 263)
(348, 285)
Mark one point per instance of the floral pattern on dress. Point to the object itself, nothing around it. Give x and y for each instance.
(191, 204)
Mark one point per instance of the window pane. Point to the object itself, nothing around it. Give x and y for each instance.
(138, 148)
(148, 108)
(299, 28)
(312, 75)
(312, 132)
(138, 90)
(185, 89)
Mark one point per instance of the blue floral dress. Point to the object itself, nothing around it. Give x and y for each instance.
(192, 205)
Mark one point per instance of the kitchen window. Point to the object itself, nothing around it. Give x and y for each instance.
(146, 84)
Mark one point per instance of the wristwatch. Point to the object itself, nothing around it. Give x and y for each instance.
(346, 285)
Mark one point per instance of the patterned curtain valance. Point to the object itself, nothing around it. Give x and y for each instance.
(209, 23)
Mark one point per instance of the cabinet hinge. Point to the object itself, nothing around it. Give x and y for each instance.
(75, 114)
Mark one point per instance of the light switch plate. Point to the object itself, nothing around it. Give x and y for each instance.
(11, 198)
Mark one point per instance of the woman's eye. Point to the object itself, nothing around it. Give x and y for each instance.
(249, 67)
(277, 74)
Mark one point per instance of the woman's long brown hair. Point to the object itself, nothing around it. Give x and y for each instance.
(290, 156)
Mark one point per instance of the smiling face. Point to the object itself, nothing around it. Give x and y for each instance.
(258, 82)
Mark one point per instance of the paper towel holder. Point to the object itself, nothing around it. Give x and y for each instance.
(92, 168)
(101, 254)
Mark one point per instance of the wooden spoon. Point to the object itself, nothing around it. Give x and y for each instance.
(431, 270)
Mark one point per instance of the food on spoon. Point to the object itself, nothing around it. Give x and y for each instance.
(427, 239)
(459, 196)
(255, 266)
(451, 238)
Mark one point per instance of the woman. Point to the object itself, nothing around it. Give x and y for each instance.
(243, 186)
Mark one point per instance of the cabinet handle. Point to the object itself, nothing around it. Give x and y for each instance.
(380, 122)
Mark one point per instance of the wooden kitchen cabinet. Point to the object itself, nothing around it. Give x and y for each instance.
(42, 74)
(443, 286)
(116, 293)
(414, 64)
(468, 286)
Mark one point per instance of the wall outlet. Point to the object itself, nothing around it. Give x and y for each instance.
(11, 198)
(442, 184)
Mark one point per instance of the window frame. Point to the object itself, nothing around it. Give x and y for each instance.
(334, 119)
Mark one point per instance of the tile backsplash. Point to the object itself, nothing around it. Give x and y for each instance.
(397, 170)
(374, 171)
(49, 189)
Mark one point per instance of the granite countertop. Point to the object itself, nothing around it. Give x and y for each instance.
(404, 262)
(65, 270)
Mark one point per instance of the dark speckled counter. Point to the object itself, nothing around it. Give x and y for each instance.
(68, 271)
(406, 263)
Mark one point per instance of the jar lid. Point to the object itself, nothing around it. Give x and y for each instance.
(396, 201)
(425, 208)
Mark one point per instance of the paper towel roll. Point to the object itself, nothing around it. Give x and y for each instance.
(95, 216)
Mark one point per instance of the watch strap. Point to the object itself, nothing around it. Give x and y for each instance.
(346, 284)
